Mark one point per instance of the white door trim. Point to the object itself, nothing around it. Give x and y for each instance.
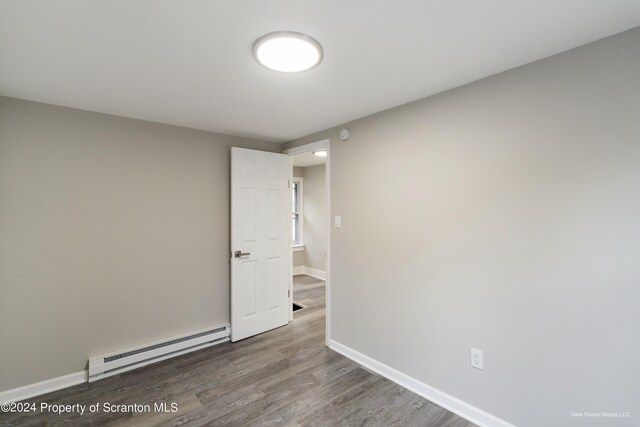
(322, 144)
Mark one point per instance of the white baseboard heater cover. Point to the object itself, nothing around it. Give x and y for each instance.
(115, 363)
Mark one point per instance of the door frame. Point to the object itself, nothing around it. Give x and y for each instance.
(313, 146)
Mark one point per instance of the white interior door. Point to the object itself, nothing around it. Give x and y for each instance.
(260, 242)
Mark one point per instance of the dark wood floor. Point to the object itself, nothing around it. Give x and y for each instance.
(283, 377)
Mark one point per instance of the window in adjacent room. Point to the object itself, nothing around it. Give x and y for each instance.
(296, 214)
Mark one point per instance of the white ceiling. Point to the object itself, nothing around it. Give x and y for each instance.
(189, 62)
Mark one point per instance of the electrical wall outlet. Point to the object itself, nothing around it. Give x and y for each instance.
(476, 358)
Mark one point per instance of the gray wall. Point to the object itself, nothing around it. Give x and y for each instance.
(114, 232)
(315, 220)
(315, 217)
(298, 172)
(502, 215)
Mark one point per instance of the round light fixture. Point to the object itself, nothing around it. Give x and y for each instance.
(288, 51)
(320, 153)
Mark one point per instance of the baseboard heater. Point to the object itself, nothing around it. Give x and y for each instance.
(115, 363)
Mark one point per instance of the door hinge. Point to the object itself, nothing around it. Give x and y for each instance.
(288, 293)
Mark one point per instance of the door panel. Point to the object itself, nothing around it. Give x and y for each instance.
(259, 216)
(249, 217)
(273, 287)
(249, 289)
(273, 214)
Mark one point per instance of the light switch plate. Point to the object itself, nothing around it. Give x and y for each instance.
(338, 221)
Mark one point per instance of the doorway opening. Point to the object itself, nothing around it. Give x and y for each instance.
(310, 229)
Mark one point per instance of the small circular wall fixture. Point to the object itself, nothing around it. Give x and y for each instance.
(288, 51)
(345, 134)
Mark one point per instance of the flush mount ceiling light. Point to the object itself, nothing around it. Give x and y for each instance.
(320, 153)
(288, 51)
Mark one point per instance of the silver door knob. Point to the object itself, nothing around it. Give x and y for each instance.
(238, 254)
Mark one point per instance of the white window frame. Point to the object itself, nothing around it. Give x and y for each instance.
(297, 247)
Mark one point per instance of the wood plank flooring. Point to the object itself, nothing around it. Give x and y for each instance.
(282, 377)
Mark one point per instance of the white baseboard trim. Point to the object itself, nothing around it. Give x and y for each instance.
(313, 272)
(43, 387)
(318, 274)
(54, 384)
(453, 404)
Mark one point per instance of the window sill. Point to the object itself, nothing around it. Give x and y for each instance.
(298, 248)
